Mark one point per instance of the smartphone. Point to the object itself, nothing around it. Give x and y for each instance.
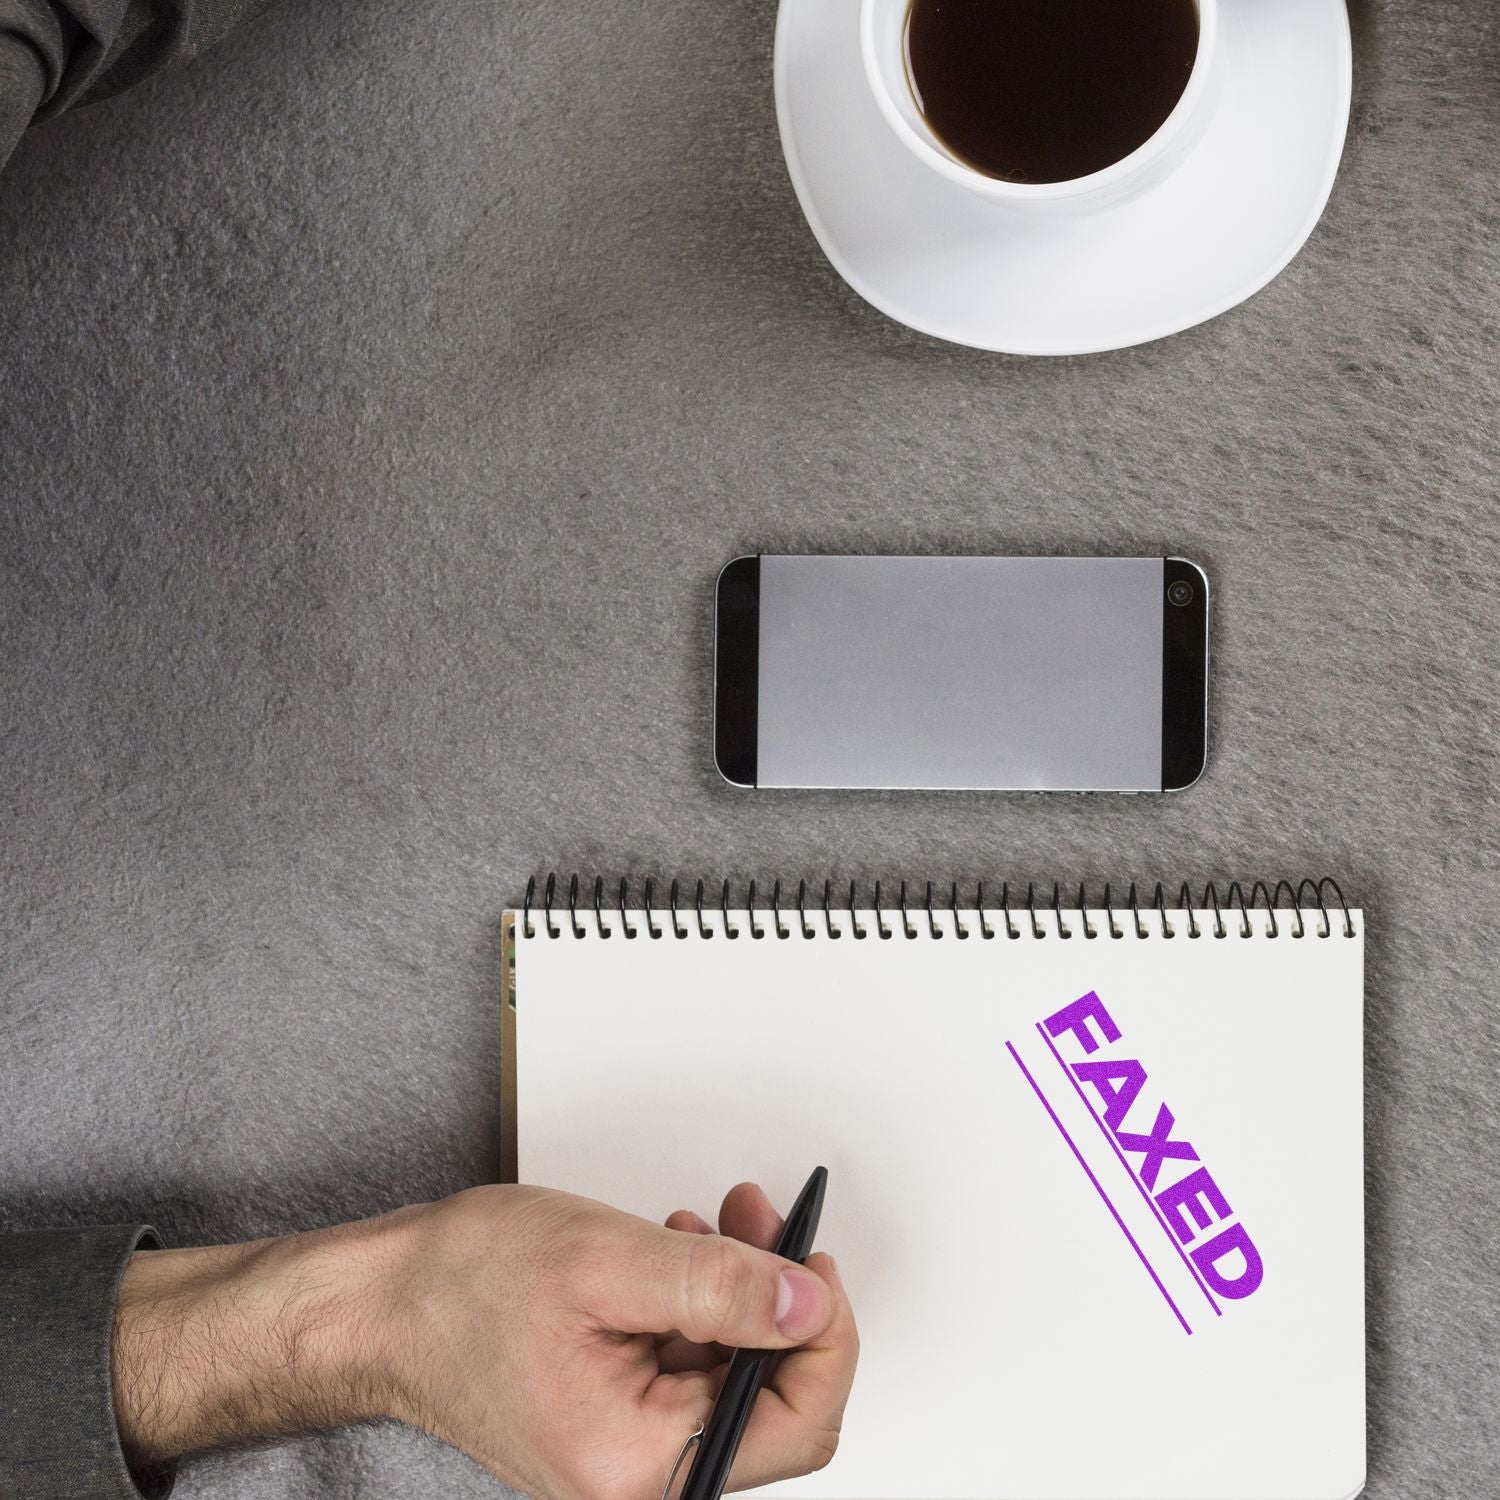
(1084, 674)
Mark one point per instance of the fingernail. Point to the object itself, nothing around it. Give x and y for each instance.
(801, 1303)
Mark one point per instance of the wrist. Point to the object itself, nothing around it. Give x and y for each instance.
(236, 1343)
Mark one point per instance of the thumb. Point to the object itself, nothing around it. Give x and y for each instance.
(711, 1289)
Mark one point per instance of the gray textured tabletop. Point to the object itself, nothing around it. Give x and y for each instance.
(378, 399)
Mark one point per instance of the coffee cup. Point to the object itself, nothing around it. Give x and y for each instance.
(884, 45)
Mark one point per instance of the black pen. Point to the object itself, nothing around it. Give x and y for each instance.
(749, 1367)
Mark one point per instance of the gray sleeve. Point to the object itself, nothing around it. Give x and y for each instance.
(22, 84)
(57, 53)
(57, 1413)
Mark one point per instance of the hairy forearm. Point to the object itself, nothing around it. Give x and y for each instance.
(237, 1343)
(562, 1344)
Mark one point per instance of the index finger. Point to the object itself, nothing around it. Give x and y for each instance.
(747, 1214)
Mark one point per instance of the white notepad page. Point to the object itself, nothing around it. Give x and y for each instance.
(1032, 1327)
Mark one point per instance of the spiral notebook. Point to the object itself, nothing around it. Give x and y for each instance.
(1095, 1172)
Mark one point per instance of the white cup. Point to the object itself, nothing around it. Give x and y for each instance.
(882, 35)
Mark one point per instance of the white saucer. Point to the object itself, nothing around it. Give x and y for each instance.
(945, 261)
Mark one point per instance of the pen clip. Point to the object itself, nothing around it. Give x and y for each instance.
(693, 1440)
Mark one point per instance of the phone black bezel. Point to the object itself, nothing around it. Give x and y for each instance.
(737, 670)
(1184, 676)
(1184, 751)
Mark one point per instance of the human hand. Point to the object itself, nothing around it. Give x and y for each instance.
(568, 1347)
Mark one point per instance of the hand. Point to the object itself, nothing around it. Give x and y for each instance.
(568, 1347)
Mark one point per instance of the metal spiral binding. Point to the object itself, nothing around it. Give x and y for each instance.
(1152, 919)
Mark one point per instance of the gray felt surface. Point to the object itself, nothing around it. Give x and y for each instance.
(380, 396)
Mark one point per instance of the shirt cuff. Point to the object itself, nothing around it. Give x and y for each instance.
(58, 1436)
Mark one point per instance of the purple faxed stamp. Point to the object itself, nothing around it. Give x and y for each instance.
(1191, 1207)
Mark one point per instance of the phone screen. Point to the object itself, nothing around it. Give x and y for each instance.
(1039, 673)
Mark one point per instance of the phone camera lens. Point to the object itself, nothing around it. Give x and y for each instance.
(1180, 593)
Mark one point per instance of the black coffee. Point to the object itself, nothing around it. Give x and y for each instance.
(1045, 90)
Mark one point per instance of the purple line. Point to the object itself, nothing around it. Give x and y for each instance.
(1109, 1135)
(1124, 1229)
